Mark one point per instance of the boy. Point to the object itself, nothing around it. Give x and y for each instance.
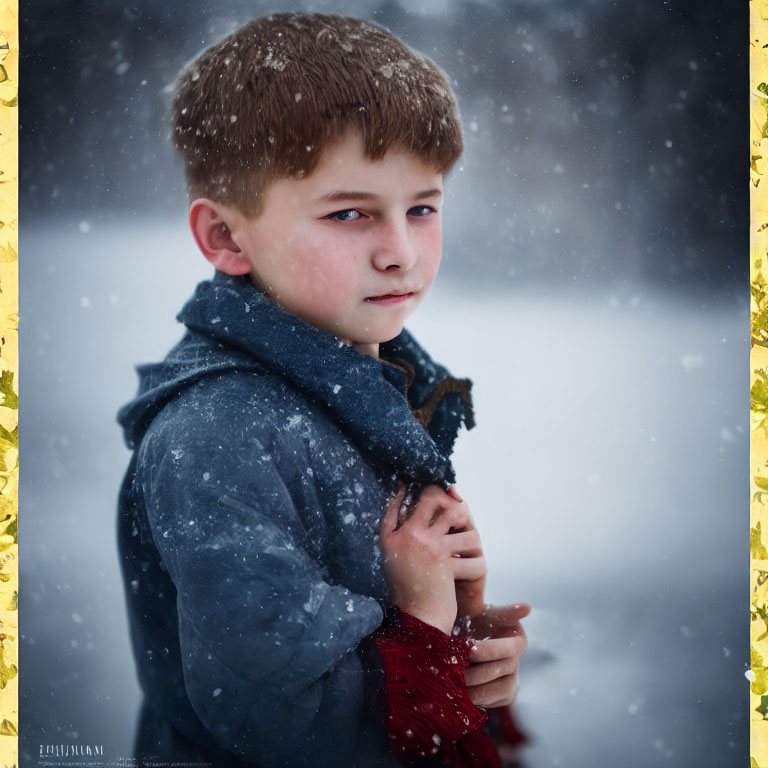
(296, 421)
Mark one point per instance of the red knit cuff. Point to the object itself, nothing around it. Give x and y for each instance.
(429, 707)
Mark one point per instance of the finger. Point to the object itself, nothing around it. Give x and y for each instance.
(479, 674)
(501, 620)
(468, 568)
(466, 544)
(498, 693)
(430, 505)
(390, 519)
(500, 615)
(436, 505)
(456, 516)
(434, 513)
(498, 648)
(453, 492)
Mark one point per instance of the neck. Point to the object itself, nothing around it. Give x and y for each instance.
(371, 349)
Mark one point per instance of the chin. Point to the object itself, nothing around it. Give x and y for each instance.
(376, 335)
(389, 333)
(390, 336)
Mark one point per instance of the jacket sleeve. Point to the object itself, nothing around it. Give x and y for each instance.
(268, 644)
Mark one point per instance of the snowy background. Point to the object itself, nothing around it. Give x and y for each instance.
(593, 287)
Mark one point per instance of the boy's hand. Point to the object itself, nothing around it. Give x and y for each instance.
(419, 555)
(470, 570)
(500, 641)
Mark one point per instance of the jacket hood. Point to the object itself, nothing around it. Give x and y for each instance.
(403, 409)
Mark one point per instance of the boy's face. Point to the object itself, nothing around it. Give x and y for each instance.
(353, 247)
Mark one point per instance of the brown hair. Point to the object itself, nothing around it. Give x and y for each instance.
(265, 101)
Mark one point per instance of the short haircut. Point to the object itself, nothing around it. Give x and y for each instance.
(264, 102)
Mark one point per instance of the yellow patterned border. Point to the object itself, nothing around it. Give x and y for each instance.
(9, 366)
(758, 257)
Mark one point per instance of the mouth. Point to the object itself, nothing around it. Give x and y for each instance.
(391, 298)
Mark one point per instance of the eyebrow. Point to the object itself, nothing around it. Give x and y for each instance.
(343, 195)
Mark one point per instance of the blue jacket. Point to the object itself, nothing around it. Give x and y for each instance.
(264, 452)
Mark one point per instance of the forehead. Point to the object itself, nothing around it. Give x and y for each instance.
(344, 166)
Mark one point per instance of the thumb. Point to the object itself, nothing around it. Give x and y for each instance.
(390, 519)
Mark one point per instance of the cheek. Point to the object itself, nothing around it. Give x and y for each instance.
(328, 272)
(432, 247)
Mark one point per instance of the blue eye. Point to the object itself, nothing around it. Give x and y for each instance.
(349, 215)
(421, 210)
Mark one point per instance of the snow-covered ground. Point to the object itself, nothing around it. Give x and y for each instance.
(607, 474)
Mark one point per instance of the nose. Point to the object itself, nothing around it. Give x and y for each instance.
(394, 248)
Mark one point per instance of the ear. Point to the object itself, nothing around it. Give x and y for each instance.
(209, 224)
